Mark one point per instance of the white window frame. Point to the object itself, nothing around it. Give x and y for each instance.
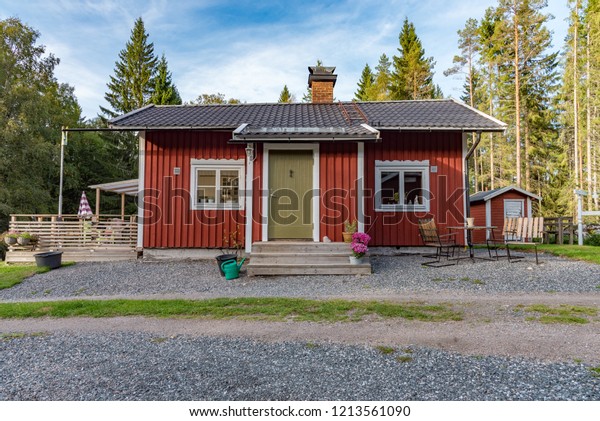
(217, 165)
(401, 167)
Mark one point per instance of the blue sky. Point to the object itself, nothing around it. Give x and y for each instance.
(248, 49)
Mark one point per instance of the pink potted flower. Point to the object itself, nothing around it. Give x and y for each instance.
(359, 248)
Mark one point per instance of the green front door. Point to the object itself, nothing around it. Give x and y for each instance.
(290, 195)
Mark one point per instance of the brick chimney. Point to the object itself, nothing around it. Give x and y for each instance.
(321, 80)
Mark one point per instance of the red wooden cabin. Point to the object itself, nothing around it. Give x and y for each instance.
(267, 172)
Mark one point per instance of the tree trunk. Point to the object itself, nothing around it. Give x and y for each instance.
(575, 99)
(492, 169)
(588, 130)
(475, 168)
(517, 97)
(527, 166)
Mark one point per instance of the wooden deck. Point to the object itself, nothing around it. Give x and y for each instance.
(103, 238)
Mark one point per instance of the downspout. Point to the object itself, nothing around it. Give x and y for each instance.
(469, 154)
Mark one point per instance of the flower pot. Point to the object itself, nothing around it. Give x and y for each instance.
(10, 241)
(347, 237)
(356, 260)
(52, 259)
(23, 241)
(225, 258)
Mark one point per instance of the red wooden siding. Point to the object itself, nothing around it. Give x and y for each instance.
(171, 223)
(168, 219)
(338, 174)
(442, 149)
(257, 194)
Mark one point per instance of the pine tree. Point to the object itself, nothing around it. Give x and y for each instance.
(524, 42)
(285, 96)
(132, 84)
(364, 84)
(464, 63)
(489, 51)
(412, 77)
(380, 88)
(468, 42)
(165, 92)
(592, 20)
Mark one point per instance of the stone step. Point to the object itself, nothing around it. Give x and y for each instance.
(298, 247)
(254, 269)
(314, 258)
(303, 258)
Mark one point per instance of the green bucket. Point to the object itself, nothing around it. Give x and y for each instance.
(232, 269)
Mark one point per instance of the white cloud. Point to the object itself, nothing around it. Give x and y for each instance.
(212, 47)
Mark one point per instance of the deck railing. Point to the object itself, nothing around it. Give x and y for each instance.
(70, 232)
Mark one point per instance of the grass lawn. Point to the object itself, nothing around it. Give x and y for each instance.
(586, 253)
(11, 275)
(270, 309)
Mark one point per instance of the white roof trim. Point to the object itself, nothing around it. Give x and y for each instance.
(240, 129)
(128, 187)
(509, 188)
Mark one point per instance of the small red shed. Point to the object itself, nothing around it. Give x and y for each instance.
(490, 207)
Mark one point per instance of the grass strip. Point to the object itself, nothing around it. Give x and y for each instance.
(567, 314)
(585, 253)
(11, 275)
(272, 309)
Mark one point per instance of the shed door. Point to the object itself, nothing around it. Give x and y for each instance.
(514, 208)
(290, 194)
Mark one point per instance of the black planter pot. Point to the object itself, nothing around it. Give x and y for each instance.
(224, 258)
(52, 259)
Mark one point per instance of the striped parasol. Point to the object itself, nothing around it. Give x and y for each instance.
(85, 211)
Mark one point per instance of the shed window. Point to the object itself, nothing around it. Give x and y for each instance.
(216, 184)
(402, 186)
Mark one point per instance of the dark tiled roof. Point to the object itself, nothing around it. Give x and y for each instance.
(415, 115)
(489, 194)
(432, 114)
(479, 196)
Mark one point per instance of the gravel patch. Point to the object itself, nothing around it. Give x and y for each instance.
(393, 275)
(140, 366)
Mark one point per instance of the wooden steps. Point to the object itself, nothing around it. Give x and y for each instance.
(303, 258)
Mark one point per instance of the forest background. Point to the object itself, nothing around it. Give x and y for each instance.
(550, 99)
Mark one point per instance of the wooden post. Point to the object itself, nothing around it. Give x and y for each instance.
(580, 219)
(570, 222)
(559, 234)
(122, 206)
(97, 203)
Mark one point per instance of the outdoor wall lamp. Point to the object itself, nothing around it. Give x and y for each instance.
(250, 152)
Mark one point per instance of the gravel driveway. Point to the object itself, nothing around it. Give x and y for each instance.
(393, 275)
(137, 366)
(495, 354)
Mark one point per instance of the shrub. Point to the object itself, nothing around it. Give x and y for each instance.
(592, 239)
